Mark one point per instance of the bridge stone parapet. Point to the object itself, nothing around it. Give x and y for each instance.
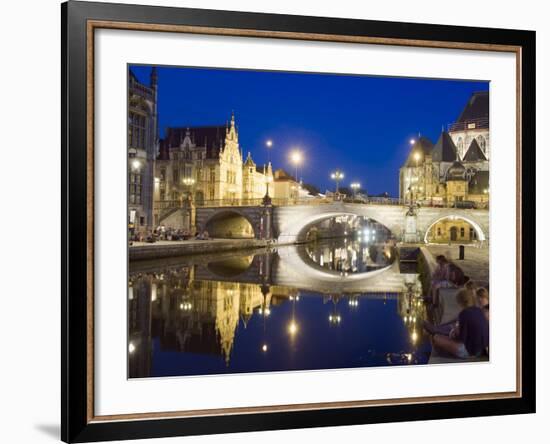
(291, 223)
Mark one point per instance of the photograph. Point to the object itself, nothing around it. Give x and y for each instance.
(285, 221)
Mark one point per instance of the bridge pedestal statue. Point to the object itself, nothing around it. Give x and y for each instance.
(411, 233)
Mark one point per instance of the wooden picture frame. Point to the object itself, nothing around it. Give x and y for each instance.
(79, 22)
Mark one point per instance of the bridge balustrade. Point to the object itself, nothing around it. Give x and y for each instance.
(216, 203)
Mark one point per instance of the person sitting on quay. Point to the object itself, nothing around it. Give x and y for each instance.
(446, 275)
(482, 295)
(203, 236)
(470, 336)
(440, 277)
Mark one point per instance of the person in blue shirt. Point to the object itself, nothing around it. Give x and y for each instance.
(470, 336)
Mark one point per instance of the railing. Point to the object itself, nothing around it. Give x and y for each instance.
(168, 204)
(281, 202)
(482, 122)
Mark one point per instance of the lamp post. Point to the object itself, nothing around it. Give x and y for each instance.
(296, 159)
(355, 186)
(188, 181)
(268, 145)
(417, 157)
(268, 179)
(337, 176)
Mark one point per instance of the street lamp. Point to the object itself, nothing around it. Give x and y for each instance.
(296, 159)
(136, 164)
(337, 176)
(417, 157)
(188, 181)
(355, 186)
(269, 144)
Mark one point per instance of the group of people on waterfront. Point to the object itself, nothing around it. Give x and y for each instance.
(466, 336)
(163, 233)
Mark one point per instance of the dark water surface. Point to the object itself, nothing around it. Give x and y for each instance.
(234, 313)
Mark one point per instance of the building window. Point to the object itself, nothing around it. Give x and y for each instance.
(136, 132)
(134, 188)
(482, 143)
(460, 145)
(176, 175)
(462, 232)
(438, 231)
(212, 175)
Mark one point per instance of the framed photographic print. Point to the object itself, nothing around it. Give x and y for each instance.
(276, 221)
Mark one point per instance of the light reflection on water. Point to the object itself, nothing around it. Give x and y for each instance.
(230, 316)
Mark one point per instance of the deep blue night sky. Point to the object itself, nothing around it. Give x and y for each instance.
(359, 124)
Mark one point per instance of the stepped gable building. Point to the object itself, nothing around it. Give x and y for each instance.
(205, 165)
(142, 149)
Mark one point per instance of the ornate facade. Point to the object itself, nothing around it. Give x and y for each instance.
(205, 165)
(444, 174)
(454, 171)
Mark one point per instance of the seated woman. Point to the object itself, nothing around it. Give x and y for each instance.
(483, 300)
(470, 337)
(440, 278)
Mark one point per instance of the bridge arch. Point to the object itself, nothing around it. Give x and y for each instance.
(477, 226)
(230, 223)
(293, 223)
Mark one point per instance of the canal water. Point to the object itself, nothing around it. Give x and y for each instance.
(236, 313)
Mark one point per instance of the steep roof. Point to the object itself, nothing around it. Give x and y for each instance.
(476, 108)
(424, 146)
(474, 153)
(249, 162)
(445, 149)
(479, 182)
(282, 175)
(210, 137)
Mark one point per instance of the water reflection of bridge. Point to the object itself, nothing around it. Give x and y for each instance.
(289, 268)
(197, 306)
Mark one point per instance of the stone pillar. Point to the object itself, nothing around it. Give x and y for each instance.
(267, 218)
(410, 233)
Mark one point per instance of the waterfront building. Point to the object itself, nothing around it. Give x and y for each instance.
(204, 166)
(284, 187)
(454, 171)
(142, 151)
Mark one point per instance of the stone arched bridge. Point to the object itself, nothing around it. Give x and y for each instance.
(290, 224)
